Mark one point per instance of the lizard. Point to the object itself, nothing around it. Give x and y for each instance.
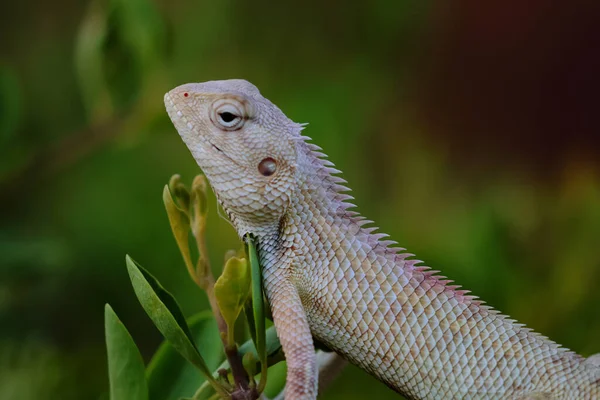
(329, 275)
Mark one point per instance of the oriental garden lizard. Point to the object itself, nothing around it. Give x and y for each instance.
(327, 274)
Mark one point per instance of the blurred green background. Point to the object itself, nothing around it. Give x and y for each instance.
(468, 131)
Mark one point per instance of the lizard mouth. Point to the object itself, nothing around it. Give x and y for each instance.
(223, 153)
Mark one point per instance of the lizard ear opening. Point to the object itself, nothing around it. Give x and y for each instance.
(267, 167)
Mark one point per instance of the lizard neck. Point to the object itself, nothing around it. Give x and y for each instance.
(318, 193)
(321, 202)
(319, 189)
(321, 215)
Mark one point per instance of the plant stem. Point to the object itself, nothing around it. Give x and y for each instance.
(206, 280)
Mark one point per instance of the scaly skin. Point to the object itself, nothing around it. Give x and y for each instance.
(328, 275)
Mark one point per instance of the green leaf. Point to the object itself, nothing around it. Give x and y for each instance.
(125, 365)
(249, 361)
(164, 311)
(276, 383)
(89, 56)
(258, 308)
(132, 50)
(169, 376)
(249, 311)
(231, 291)
(119, 47)
(272, 346)
(273, 350)
(272, 343)
(180, 225)
(142, 30)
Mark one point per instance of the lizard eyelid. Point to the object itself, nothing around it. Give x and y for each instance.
(227, 114)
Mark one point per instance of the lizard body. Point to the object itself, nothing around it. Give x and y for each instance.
(328, 275)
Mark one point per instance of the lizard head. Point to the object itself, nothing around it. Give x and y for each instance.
(243, 143)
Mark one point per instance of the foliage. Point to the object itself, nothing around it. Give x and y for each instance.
(125, 364)
(170, 376)
(238, 285)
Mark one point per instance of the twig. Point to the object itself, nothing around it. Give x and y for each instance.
(206, 281)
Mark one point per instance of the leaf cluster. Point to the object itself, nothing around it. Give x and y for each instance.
(200, 357)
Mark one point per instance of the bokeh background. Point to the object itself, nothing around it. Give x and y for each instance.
(468, 130)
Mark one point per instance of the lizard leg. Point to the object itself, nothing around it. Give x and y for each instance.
(295, 337)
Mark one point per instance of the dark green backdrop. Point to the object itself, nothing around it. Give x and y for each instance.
(469, 132)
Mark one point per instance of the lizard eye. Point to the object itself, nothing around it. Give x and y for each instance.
(229, 120)
(228, 115)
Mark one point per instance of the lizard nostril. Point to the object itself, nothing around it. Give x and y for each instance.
(267, 166)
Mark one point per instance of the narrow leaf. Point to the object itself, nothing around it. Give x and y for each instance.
(170, 376)
(249, 311)
(89, 55)
(164, 311)
(276, 383)
(125, 365)
(258, 306)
